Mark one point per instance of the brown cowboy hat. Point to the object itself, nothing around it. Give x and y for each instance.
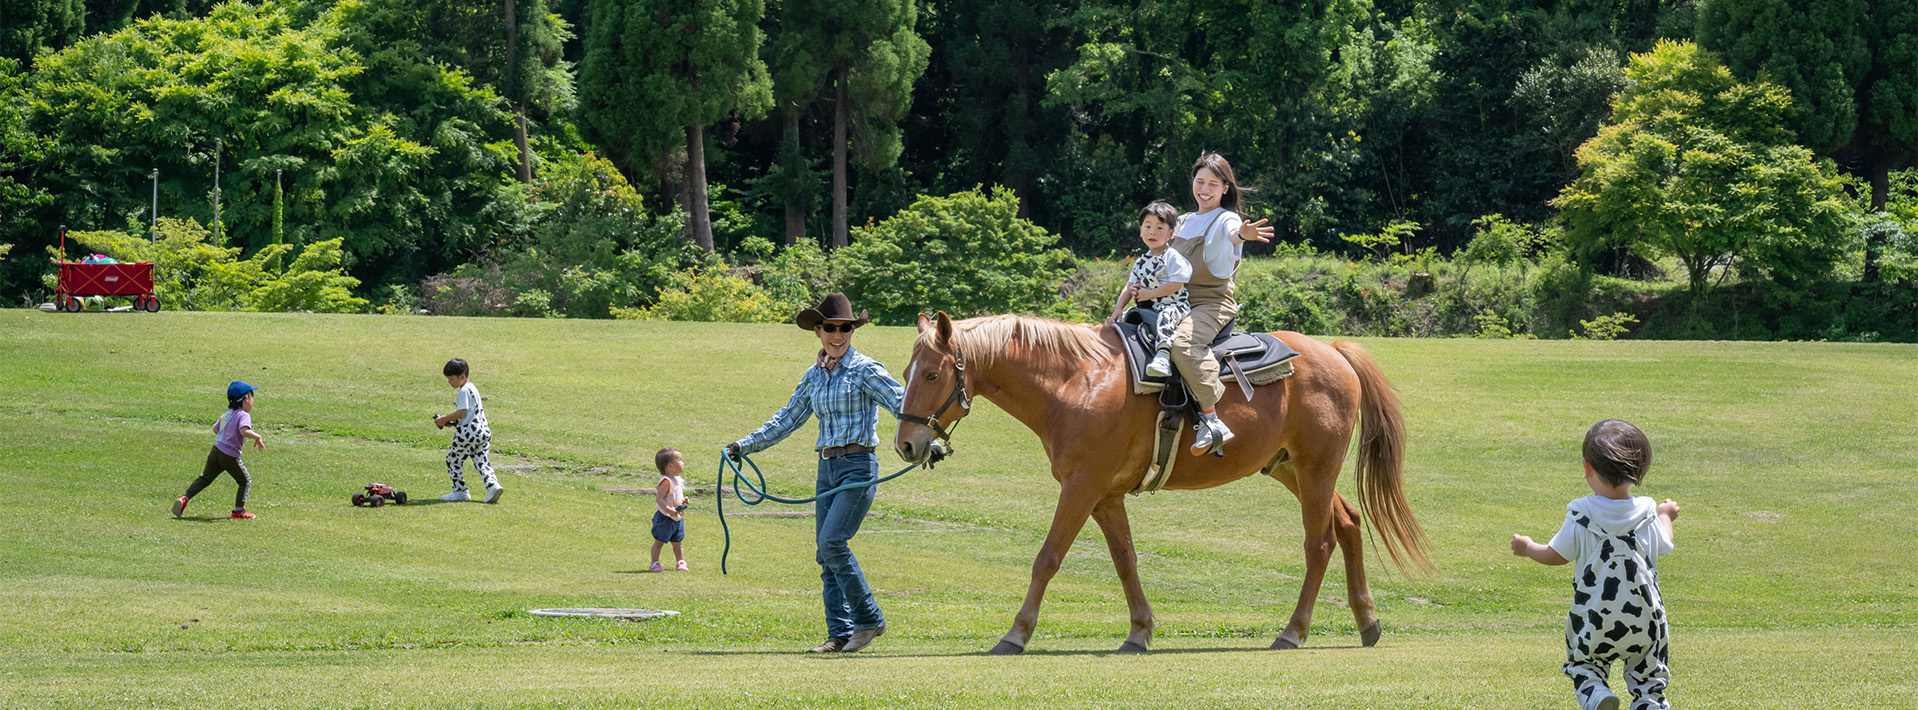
(834, 307)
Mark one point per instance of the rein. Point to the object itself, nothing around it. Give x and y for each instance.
(741, 483)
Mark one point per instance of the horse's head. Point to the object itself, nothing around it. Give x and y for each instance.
(938, 391)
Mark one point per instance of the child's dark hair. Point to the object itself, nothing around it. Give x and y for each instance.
(455, 366)
(666, 457)
(235, 402)
(1160, 210)
(1233, 199)
(1618, 452)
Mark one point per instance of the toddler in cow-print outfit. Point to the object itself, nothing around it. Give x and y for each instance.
(1617, 613)
(472, 438)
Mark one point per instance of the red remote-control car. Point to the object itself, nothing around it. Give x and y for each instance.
(378, 494)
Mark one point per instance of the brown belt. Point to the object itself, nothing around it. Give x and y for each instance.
(833, 452)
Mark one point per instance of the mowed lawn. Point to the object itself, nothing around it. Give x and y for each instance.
(1794, 583)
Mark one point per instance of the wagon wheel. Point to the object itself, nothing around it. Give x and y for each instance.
(73, 304)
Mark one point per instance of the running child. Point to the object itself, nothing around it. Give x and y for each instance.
(230, 433)
(669, 503)
(472, 438)
(1617, 612)
(1212, 240)
(1157, 283)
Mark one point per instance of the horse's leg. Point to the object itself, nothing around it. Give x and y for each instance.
(1316, 491)
(1357, 592)
(1110, 514)
(1075, 504)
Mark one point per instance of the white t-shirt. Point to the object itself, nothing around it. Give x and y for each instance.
(1222, 252)
(1635, 516)
(677, 492)
(468, 398)
(1167, 267)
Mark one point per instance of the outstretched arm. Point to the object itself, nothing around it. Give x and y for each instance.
(1542, 554)
(1667, 514)
(783, 423)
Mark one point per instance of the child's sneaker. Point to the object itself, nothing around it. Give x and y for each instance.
(1212, 435)
(456, 496)
(179, 506)
(1161, 365)
(242, 515)
(657, 568)
(681, 566)
(493, 491)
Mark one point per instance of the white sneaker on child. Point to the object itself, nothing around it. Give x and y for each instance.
(1161, 365)
(456, 496)
(493, 491)
(1212, 435)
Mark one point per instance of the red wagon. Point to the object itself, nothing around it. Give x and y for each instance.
(81, 279)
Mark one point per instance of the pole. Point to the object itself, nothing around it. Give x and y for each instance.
(63, 242)
(153, 229)
(217, 236)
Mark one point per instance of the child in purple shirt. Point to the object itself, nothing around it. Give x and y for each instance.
(230, 435)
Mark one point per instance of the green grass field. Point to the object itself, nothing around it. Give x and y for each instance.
(1793, 584)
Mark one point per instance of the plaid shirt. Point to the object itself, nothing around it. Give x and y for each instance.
(846, 399)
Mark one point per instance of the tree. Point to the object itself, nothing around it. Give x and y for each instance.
(27, 26)
(870, 55)
(23, 191)
(967, 253)
(1698, 166)
(1851, 66)
(658, 71)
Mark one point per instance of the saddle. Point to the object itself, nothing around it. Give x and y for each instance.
(1251, 359)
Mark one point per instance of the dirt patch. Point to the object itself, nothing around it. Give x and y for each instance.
(1763, 516)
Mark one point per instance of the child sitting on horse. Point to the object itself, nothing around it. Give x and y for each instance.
(1617, 611)
(1157, 282)
(1212, 240)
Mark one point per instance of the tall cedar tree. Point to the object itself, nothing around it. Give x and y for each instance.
(868, 53)
(657, 72)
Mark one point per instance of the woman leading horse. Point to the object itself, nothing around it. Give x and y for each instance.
(1068, 383)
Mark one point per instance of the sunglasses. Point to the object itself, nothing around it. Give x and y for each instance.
(841, 328)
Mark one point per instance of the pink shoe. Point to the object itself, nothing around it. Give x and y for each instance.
(682, 566)
(657, 568)
(242, 515)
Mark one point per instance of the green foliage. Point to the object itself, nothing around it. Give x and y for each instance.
(190, 273)
(713, 293)
(1695, 166)
(396, 157)
(1386, 240)
(1607, 327)
(1817, 51)
(28, 26)
(655, 67)
(4, 248)
(967, 253)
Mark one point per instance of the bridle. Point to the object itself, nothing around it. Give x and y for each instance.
(958, 396)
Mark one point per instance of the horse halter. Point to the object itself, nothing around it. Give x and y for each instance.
(958, 395)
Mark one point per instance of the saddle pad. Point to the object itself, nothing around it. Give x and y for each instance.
(1263, 358)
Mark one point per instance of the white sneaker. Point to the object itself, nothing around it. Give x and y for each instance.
(456, 496)
(1161, 365)
(493, 491)
(1212, 435)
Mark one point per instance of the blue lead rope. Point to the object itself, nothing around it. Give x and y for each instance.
(741, 484)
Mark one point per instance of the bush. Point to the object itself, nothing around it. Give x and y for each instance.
(967, 253)
(189, 273)
(713, 293)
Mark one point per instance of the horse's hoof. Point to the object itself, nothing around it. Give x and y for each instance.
(1006, 648)
(1131, 647)
(1284, 644)
(1370, 636)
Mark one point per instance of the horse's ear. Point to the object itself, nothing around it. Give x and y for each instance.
(945, 329)
(924, 322)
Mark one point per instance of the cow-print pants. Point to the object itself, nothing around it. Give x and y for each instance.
(1617, 615)
(470, 442)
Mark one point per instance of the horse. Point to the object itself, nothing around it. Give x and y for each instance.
(1069, 384)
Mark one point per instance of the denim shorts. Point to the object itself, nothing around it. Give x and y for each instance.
(667, 529)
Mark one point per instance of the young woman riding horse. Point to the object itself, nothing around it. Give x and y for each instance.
(1068, 383)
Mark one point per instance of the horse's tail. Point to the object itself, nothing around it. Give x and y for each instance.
(1381, 482)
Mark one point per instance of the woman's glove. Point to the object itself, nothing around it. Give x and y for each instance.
(732, 451)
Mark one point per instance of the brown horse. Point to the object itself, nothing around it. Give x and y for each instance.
(1068, 383)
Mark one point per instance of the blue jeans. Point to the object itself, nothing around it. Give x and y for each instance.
(836, 518)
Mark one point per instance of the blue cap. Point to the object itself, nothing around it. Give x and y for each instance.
(238, 389)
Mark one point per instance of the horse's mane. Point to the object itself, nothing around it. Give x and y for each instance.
(982, 339)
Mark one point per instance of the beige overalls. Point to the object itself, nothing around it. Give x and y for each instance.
(1212, 309)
